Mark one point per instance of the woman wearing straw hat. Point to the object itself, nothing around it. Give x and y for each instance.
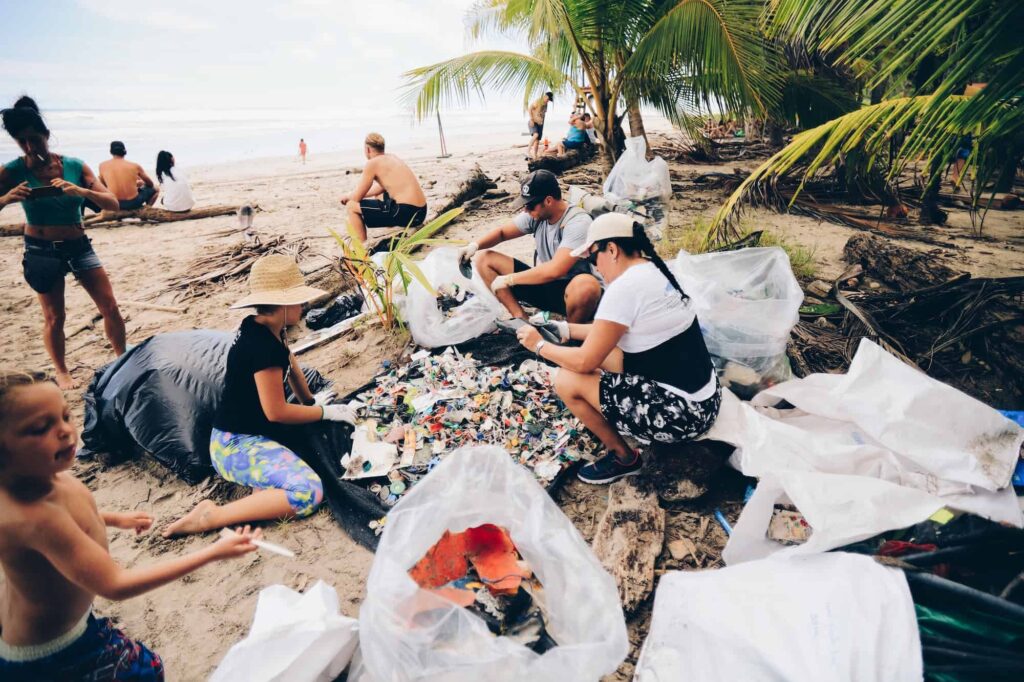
(245, 445)
(657, 383)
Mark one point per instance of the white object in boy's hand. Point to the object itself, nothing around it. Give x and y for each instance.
(262, 544)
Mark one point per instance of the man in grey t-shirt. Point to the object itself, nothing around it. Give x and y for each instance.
(557, 282)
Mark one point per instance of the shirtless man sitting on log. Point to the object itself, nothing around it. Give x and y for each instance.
(403, 203)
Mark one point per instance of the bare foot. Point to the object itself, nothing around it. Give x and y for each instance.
(196, 521)
(66, 382)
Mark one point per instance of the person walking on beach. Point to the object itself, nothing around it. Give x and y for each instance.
(127, 180)
(52, 189)
(558, 282)
(302, 150)
(254, 419)
(402, 202)
(54, 554)
(176, 194)
(538, 110)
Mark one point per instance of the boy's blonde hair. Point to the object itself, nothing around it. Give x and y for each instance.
(375, 141)
(11, 379)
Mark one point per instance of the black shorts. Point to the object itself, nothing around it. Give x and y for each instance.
(45, 263)
(139, 201)
(549, 296)
(386, 212)
(537, 129)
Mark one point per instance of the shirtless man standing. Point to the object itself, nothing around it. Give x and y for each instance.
(123, 178)
(403, 203)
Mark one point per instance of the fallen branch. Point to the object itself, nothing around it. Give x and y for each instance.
(557, 164)
(143, 305)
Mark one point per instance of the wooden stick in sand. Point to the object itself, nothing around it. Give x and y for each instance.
(143, 305)
(262, 544)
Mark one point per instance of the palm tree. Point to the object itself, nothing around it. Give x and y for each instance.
(922, 53)
(678, 56)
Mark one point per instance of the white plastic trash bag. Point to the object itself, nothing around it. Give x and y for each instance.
(882, 447)
(635, 178)
(469, 488)
(747, 302)
(826, 618)
(294, 638)
(432, 328)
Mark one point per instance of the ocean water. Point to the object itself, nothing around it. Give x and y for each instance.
(207, 137)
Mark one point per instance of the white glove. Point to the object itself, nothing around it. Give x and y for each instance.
(324, 397)
(501, 282)
(563, 329)
(339, 413)
(467, 251)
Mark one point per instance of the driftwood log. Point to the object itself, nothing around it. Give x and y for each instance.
(571, 159)
(629, 538)
(141, 216)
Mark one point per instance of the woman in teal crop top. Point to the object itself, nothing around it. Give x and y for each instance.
(55, 241)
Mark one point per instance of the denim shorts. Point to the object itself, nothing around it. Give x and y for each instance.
(46, 262)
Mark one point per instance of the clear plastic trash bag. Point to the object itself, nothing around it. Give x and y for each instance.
(747, 302)
(432, 327)
(471, 487)
(635, 178)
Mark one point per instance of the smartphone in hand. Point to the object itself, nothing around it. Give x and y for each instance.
(44, 192)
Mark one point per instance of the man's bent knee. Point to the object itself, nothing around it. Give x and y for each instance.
(581, 298)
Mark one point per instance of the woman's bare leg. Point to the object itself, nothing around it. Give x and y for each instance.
(581, 394)
(263, 505)
(52, 303)
(97, 284)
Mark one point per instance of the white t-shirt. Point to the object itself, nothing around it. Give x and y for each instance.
(176, 195)
(649, 306)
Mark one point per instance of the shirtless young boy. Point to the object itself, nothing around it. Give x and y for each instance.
(403, 203)
(53, 551)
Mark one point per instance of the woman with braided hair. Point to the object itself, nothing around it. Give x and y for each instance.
(643, 370)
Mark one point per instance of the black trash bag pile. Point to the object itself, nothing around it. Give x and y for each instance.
(160, 398)
(966, 576)
(340, 309)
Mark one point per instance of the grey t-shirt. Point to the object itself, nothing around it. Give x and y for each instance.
(568, 233)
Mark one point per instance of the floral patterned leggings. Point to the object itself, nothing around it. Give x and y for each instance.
(644, 409)
(259, 462)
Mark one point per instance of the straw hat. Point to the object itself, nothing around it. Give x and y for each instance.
(276, 280)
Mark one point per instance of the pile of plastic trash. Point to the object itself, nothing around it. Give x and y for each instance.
(413, 415)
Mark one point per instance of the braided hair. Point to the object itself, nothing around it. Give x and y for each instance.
(641, 243)
(24, 115)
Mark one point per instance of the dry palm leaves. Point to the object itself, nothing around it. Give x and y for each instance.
(967, 332)
(230, 263)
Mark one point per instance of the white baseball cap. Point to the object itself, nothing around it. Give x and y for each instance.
(607, 226)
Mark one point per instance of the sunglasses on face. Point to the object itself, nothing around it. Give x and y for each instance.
(592, 255)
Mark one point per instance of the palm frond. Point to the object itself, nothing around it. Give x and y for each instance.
(455, 80)
(810, 99)
(716, 45)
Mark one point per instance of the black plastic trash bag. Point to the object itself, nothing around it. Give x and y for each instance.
(160, 398)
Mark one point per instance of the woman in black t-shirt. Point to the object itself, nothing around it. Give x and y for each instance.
(658, 382)
(245, 445)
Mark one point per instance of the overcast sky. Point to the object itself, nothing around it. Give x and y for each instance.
(129, 54)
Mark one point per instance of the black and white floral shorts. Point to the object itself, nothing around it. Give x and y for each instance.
(644, 409)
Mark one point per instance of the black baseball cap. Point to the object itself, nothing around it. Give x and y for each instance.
(117, 148)
(537, 186)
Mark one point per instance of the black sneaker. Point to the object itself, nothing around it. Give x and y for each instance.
(609, 468)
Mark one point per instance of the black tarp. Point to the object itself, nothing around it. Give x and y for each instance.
(160, 398)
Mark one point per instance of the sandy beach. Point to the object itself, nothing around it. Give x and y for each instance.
(193, 622)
